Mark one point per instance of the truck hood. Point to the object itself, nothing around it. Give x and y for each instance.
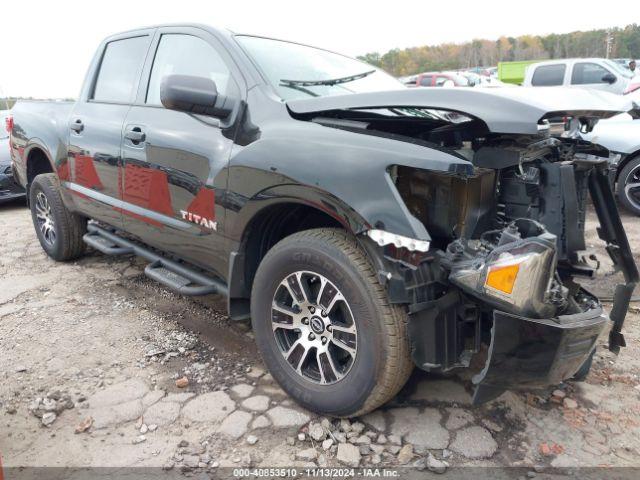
(503, 110)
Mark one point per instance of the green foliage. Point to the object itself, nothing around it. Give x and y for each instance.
(480, 52)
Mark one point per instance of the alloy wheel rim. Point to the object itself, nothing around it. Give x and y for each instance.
(45, 220)
(314, 327)
(632, 187)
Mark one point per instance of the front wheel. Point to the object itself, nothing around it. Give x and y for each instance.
(628, 187)
(324, 325)
(59, 230)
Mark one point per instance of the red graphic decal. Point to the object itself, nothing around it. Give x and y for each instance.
(204, 204)
(147, 188)
(86, 174)
(63, 171)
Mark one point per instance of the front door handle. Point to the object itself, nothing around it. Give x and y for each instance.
(77, 126)
(136, 135)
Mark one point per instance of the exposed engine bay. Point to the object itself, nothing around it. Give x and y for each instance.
(523, 210)
(507, 244)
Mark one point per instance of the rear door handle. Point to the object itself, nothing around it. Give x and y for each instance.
(77, 126)
(136, 135)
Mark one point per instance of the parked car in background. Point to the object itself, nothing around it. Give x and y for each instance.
(409, 80)
(437, 79)
(9, 189)
(621, 136)
(480, 81)
(596, 73)
(492, 72)
(483, 71)
(473, 78)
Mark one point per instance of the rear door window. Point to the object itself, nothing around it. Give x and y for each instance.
(426, 81)
(120, 70)
(548, 75)
(585, 73)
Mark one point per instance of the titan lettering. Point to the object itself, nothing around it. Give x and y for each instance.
(199, 220)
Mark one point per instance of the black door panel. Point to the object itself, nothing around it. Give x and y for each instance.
(175, 163)
(174, 176)
(94, 159)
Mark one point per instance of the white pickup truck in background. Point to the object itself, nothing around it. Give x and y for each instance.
(596, 73)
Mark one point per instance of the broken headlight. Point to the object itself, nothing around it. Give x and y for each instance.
(515, 275)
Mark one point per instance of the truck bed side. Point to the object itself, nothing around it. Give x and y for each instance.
(40, 135)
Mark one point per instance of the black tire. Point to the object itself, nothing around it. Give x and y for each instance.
(382, 362)
(630, 173)
(68, 228)
(583, 371)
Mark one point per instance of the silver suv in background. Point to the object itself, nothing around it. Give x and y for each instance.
(596, 73)
(621, 136)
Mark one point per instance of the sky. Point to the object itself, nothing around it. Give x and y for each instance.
(48, 44)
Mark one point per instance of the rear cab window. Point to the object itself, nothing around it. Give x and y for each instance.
(548, 75)
(120, 70)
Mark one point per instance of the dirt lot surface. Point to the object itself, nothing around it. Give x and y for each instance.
(91, 353)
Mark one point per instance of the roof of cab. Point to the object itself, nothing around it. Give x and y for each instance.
(221, 31)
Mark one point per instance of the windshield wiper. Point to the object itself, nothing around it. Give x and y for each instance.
(294, 86)
(330, 81)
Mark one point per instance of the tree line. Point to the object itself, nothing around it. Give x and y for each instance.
(623, 43)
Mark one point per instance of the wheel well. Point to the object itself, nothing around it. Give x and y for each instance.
(37, 163)
(265, 230)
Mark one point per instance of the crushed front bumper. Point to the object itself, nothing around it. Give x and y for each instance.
(530, 353)
(534, 353)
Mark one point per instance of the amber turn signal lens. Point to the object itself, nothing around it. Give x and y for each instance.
(502, 278)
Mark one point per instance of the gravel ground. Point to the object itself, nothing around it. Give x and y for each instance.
(100, 367)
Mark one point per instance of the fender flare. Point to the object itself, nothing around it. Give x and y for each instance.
(34, 143)
(304, 195)
(255, 210)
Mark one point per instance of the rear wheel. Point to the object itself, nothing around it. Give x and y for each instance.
(59, 230)
(324, 326)
(628, 188)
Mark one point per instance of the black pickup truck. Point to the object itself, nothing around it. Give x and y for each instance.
(362, 226)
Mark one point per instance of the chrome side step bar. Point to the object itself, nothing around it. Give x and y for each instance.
(176, 276)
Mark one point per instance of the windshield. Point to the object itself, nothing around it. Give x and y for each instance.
(621, 69)
(299, 71)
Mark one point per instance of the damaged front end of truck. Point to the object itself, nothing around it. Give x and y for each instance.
(497, 278)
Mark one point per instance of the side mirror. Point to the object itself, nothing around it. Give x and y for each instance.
(609, 78)
(187, 93)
